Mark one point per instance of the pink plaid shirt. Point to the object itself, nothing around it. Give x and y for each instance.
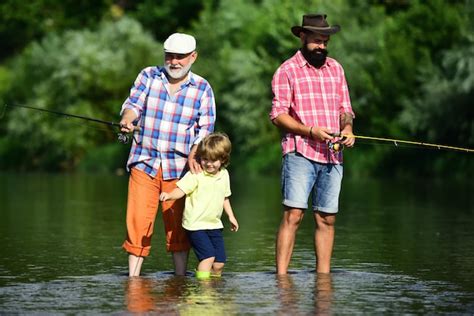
(313, 97)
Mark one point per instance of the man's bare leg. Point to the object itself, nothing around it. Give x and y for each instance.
(324, 240)
(285, 240)
(134, 265)
(180, 260)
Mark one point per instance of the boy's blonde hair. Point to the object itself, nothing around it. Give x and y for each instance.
(215, 146)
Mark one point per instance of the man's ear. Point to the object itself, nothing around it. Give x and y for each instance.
(194, 56)
(302, 37)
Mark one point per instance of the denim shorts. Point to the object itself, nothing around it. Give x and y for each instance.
(301, 177)
(208, 243)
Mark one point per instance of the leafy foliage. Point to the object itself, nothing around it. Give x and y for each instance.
(79, 72)
(409, 67)
(166, 17)
(24, 21)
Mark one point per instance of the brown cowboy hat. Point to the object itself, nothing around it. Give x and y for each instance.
(315, 23)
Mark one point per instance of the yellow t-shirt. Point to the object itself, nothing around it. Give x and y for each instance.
(205, 194)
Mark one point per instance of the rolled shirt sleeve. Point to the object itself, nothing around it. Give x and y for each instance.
(138, 94)
(282, 94)
(207, 116)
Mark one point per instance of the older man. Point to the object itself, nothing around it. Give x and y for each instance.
(310, 104)
(173, 109)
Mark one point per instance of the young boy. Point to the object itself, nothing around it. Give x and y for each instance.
(207, 193)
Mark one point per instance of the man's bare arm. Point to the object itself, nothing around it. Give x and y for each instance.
(289, 124)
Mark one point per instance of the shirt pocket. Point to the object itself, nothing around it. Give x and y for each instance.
(188, 110)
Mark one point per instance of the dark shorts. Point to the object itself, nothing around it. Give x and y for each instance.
(208, 243)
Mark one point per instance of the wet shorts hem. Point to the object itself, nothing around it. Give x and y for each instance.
(293, 204)
(136, 250)
(326, 210)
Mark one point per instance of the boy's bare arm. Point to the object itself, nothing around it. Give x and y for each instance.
(228, 210)
(173, 195)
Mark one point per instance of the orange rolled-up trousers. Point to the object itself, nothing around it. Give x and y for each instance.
(142, 207)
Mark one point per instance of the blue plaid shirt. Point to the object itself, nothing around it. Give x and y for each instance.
(170, 124)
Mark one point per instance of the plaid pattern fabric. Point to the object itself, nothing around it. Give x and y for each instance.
(313, 97)
(170, 124)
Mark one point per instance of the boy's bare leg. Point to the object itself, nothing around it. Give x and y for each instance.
(286, 238)
(180, 260)
(134, 265)
(217, 268)
(206, 264)
(324, 240)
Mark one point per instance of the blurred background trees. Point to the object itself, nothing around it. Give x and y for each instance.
(409, 66)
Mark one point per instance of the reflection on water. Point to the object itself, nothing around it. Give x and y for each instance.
(287, 294)
(409, 252)
(139, 298)
(323, 294)
(299, 293)
(144, 294)
(290, 298)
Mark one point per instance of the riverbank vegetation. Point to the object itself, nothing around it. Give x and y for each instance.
(409, 65)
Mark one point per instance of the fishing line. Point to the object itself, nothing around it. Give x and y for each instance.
(397, 142)
(122, 137)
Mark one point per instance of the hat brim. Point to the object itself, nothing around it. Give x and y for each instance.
(296, 30)
(177, 51)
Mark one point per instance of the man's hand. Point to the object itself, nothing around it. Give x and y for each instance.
(126, 123)
(126, 127)
(348, 138)
(320, 133)
(346, 121)
(193, 164)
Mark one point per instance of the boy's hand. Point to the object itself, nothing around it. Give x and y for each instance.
(234, 224)
(164, 196)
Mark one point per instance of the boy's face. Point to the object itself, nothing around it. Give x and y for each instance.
(211, 166)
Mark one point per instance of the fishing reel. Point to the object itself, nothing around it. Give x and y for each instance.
(335, 147)
(123, 138)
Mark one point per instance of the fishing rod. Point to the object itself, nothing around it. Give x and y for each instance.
(122, 137)
(336, 146)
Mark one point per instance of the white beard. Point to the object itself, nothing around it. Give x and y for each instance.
(177, 73)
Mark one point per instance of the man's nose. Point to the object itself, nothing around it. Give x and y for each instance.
(174, 60)
(321, 45)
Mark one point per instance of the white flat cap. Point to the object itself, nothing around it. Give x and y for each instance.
(179, 43)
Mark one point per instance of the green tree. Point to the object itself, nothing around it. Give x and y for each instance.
(405, 61)
(162, 18)
(26, 21)
(78, 72)
(382, 48)
(242, 43)
(442, 112)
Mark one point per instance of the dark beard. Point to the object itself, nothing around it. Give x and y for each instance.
(316, 57)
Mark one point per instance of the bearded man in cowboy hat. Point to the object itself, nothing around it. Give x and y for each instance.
(311, 105)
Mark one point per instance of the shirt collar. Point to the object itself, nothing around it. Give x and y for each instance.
(217, 175)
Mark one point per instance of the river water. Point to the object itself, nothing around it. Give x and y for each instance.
(402, 247)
